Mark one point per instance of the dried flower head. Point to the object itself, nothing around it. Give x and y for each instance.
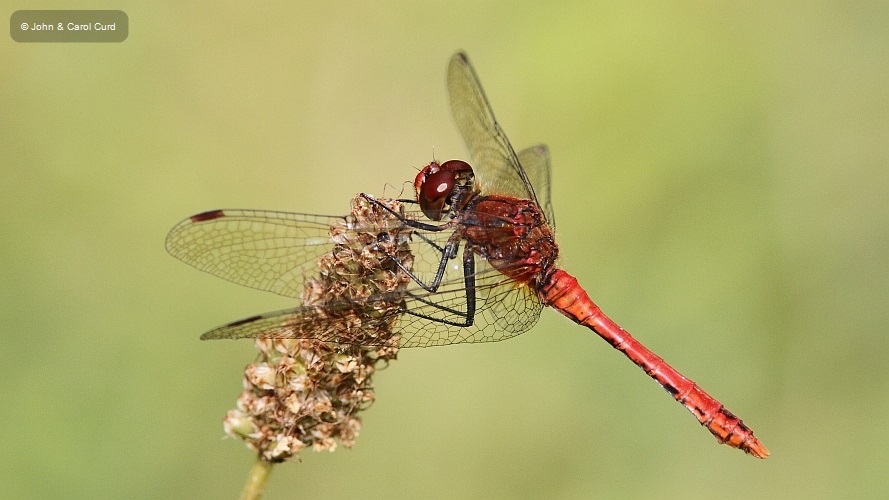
(304, 392)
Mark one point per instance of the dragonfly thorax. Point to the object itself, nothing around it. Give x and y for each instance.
(444, 187)
(513, 236)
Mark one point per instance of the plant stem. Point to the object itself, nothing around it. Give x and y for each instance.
(259, 473)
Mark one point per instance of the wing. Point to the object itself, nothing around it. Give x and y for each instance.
(535, 161)
(497, 167)
(283, 252)
(274, 251)
(504, 308)
(424, 319)
(261, 249)
(310, 322)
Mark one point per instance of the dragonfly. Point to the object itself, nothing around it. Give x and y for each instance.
(483, 259)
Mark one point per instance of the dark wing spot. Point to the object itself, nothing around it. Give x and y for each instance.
(209, 215)
(244, 321)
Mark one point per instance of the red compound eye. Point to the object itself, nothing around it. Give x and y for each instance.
(456, 166)
(434, 192)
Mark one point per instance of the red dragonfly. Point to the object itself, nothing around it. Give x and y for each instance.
(498, 211)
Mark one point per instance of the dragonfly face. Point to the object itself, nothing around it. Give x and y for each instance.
(443, 188)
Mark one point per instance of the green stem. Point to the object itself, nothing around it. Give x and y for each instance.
(259, 474)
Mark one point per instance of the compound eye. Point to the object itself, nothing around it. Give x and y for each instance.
(456, 166)
(434, 193)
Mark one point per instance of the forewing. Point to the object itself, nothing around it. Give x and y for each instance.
(257, 248)
(497, 168)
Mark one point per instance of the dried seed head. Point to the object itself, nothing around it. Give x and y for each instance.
(304, 392)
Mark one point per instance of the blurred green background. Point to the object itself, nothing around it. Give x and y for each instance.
(720, 186)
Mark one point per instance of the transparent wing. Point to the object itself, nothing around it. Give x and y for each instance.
(535, 161)
(261, 249)
(504, 307)
(281, 252)
(497, 167)
(504, 310)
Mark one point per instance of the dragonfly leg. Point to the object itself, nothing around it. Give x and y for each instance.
(429, 241)
(469, 285)
(415, 224)
(448, 252)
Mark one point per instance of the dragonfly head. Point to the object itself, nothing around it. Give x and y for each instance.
(442, 187)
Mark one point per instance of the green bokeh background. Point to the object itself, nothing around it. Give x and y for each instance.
(720, 185)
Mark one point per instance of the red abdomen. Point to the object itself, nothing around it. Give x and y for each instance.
(563, 293)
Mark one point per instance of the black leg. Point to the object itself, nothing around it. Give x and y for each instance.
(448, 252)
(407, 222)
(469, 287)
